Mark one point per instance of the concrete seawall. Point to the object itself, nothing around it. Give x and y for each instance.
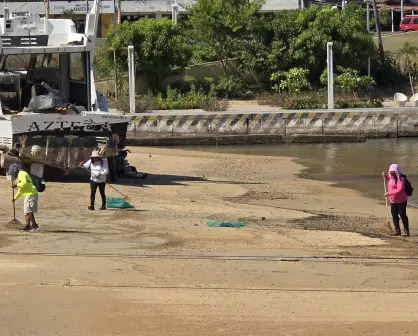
(385, 122)
(247, 139)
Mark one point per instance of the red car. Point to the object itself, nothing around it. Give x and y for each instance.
(409, 23)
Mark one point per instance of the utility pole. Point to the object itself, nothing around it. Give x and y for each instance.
(379, 34)
(330, 68)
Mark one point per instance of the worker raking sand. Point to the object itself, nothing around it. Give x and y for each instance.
(98, 168)
(26, 189)
(398, 192)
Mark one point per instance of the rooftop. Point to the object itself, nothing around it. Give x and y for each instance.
(135, 6)
(153, 6)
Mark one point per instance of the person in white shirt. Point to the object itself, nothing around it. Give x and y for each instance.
(99, 170)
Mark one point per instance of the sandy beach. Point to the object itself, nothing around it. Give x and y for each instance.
(319, 264)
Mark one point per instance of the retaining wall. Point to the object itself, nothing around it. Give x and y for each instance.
(360, 122)
(244, 139)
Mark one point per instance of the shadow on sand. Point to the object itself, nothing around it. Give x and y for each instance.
(65, 231)
(81, 176)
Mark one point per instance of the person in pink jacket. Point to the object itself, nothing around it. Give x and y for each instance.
(398, 199)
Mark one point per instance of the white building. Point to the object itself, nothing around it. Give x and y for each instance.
(131, 9)
(134, 9)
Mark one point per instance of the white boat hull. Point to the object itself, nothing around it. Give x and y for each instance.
(62, 141)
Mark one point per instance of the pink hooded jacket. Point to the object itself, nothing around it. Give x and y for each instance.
(396, 187)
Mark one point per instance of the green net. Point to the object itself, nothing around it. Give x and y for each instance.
(225, 224)
(117, 203)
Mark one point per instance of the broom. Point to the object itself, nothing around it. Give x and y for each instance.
(387, 222)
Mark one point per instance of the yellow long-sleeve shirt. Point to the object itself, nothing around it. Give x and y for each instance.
(25, 187)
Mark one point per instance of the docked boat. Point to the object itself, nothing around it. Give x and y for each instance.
(51, 115)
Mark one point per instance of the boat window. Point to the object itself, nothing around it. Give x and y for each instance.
(48, 61)
(15, 62)
(76, 67)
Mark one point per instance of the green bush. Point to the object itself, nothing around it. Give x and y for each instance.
(358, 103)
(294, 80)
(174, 100)
(304, 102)
(307, 103)
(318, 100)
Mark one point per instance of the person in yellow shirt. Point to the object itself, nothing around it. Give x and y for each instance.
(26, 189)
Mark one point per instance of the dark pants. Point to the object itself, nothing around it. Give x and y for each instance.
(399, 210)
(93, 187)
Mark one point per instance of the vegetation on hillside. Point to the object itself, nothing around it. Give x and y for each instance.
(285, 51)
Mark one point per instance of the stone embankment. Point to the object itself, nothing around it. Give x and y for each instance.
(258, 126)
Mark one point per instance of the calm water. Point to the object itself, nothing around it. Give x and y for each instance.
(351, 165)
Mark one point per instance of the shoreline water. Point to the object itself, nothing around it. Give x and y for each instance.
(355, 166)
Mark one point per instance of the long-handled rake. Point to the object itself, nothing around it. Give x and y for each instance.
(125, 197)
(14, 222)
(387, 222)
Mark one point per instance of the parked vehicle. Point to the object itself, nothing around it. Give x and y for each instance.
(409, 23)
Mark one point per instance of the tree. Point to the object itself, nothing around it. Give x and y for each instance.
(407, 57)
(379, 33)
(385, 18)
(221, 23)
(68, 14)
(119, 11)
(297, 39)
(159, 48)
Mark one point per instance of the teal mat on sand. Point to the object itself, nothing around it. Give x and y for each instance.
(225, 224)
(117, 203)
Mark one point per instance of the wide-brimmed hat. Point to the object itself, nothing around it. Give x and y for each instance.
(95, 154)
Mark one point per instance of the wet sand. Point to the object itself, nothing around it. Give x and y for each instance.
(350, 165)
(319, 264)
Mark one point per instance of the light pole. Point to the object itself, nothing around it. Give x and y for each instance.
(174, 11)
(330, 68)
(401, 10)
(368, 29)
(131, 70)
(393, 23)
